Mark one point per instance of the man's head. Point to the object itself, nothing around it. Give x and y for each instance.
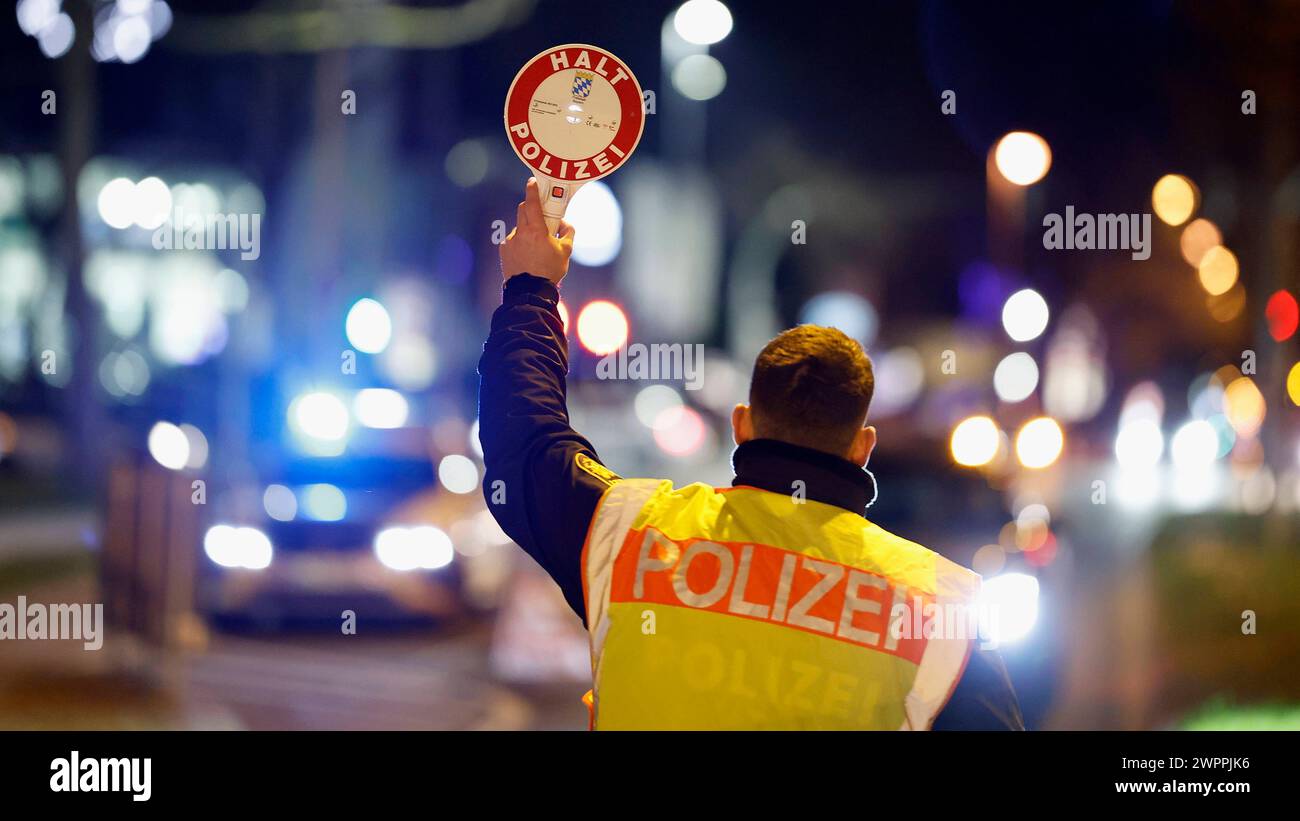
(811, 387)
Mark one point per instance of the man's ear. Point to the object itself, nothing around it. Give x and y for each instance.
(742, 424)
(864, 441)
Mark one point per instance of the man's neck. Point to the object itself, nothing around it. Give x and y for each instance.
(781, 467)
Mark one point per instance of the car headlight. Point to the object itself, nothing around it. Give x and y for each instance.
(245, 547)
(1008, 607)
(408, 548)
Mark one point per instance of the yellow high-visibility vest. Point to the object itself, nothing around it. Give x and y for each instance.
(739, 608)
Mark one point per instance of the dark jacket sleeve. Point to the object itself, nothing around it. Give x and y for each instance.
(983, 698)
(543, 480)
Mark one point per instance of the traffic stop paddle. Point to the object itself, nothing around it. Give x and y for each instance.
(573, 114)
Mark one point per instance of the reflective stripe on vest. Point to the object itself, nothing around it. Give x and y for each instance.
(745, 609)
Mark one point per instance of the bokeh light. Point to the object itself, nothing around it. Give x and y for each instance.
(1015, 377)
(651, 402)
(1039, 442)
(597, 221)
(410, 548)
(198, 446)
(679, 431)
(168, 445)
(279, 503)
(1282, 314)
(380, 408)
(1195, 444)
(319, 415)
(699, 77)
(900, 377)
(1244, 406)
(1173, 199)
(702, 22)
(849, 312)
(1199, 236)
(116, 202)
(467, 163)
(410, 361)
(237, 547)
(458, 473)
(1139, 443)
(1218, 270)
(1022, 157)
(1008, 607)
(131, 38)
(1025, 315)
(57, 36)
(324, 502)
(602, 327)
(989, 560)
(974, 441)
(369, 328)
(151, 203)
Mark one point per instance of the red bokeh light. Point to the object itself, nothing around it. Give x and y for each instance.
(1283, 315)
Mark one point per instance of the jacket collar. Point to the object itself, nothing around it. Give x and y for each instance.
(775, 466)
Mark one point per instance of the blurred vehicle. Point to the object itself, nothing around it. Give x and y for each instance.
(346, 517)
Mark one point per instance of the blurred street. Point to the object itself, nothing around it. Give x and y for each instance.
(432, 679)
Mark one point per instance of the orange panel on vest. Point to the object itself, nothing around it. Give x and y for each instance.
(774, 585)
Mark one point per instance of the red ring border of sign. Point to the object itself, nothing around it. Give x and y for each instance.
(631, 104)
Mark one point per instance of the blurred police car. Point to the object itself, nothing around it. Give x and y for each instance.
(351, 508)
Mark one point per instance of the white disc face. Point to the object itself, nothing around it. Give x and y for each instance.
(574, 114)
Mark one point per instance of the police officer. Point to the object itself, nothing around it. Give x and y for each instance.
(770, 604)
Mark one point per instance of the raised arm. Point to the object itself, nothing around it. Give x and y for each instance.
(543, 479)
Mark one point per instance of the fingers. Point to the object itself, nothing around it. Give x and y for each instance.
(532, 204)
(567, 232)
(521, 217)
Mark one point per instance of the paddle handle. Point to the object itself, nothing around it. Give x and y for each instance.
(555, 200)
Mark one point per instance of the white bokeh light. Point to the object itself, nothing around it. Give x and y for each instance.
(974, 441)
(1022, 157)
(597, 220)
(169, 446)
(369, 327)
(849, 312)
(1015, 377)
(56, 37)
(458, 473)
(319, 415)
(131, 38)
(1025, 315)
(699, 77)
(1139, 443)
(1195, 444)
(652, 400)
(35, 15)
(151, 204)
(280, 503)
(380, 408)
(410, 548)
(237, 547)
(702, 22)
(116, 202)
(1008, 607)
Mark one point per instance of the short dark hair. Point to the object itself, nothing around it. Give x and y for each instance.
(811, 387)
